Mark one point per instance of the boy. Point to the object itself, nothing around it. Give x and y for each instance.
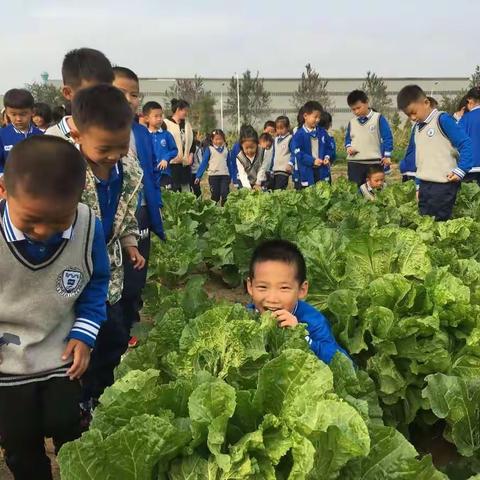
(470, 122)
(282, 153)
(19, 109)
(269, 127)
(443, 153)
(310, 147)
(82, 67)
(368, 139)
(54, 281)
(278, 282)
(375, 182)
(164, 146)
(103, 122)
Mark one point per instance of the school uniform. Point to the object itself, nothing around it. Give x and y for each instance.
(282, 155)
(372, 137)
(197, 160)
(215, 162)
(470, 122)
(164, 148)
(51, 292)
(9, 137)
(368, 192)
(248, 169)
(232, 160)
(61, 129)
(441, 147)
(407, 164)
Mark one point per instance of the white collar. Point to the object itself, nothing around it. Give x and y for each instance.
(427, 120)
(475, 108)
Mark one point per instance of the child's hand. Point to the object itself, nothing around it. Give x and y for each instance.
(80, 352)
(386, 161)
(452, 177)
(162, 165)
(190, 160)
(257, 187)
(197, 181)
(288, 169)
(135, 257)
(351, 151)
(318, 162)
(285, 318)
(326, 162)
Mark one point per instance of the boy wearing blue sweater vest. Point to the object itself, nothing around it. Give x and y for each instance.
(19, 109)
(53, 287)
(443, 153)
(470, 122)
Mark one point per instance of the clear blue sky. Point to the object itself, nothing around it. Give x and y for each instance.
(217, 38)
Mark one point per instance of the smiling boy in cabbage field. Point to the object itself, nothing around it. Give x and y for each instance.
(278, 283)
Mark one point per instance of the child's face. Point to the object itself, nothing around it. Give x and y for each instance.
(39, 218)
(281, 129)
(154, 118)
(360, 109)
(311, 119)
(20, 117)
(103, 147)
(377, 180)
(39, 121)
(181, 114)
(130, 89)
(275, 286)
(69, 92)
(266, 144)
(249, 147)
(418, 111)
(269, 130)
(218, 141)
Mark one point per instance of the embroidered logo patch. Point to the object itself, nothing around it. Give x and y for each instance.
(163, 142)
(372, 128)
(69, 282)
(7, 148)
(431, 132)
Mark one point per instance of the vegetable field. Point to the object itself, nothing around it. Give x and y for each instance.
(214, 392)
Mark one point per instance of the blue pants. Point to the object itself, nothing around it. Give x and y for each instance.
(437, 199)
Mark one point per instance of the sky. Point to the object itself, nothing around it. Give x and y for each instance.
(340, 38)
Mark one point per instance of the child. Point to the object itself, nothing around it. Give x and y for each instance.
(326, 123)
(278, 283)
(470, 122)
(375, 182)
(103, 121)
(269, 128)
(42, 116)
(281, 153)
(58, 113)
(19, 109)
(197, 160)
(53, 289)
(164, 146)
(311, 147)
(82, 67)
(368, 139)
(215, 159)
(443, 153)
(232, 156)
(250, 160)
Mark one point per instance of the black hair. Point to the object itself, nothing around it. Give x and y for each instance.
(149, 106)
(57, 162)
(58, 112)
(300, 119)
(269, 123)
(18, 98)
(279, 251)
(265, 137)
(433, 102)
(176, 104)
(217, 131)
(125, 72)
(43, 110)
(408, 95)
(325, 120)
(356, 96)
(86, 64)
(473, 94)
(248, 133)
(373, 169)
(102, 106)
(312, 106)
(284, 120)
(463, 104)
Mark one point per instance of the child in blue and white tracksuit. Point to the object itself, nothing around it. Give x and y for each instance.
(470, 122)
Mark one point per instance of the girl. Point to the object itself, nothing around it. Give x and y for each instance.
(42, 116)
(197, 160)
(216, 159)
(182, 132)
(282, 153)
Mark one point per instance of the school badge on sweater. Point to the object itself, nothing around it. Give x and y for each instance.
(69, 282)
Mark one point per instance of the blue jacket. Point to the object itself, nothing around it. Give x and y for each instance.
(304, 157)
(407, 164)
(151, 190)
(164, 148)
(470, 122)
(232, 160)
(10, 136)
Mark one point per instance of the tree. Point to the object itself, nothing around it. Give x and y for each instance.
(450, 103)
(475, 78)
(189, 89)
(254, 99)
(46, 92)
(202, 114)
(311, 87)
(376, 89)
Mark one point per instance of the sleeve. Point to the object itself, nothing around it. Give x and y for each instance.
(232, 162)
(461, 141)
(2, 157)
(410, 153)
(90, 308)
(333, 148)
(204, 163)
(325, 150)
(172, 147)
(348, 138)
(386, 137)
(265, 167)
(300, 155)
(242, 176)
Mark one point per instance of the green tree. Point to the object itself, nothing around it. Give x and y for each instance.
(475, 78)
(203, 114)
(46, 92)
(376, 89)
(449, 103)
(254, 99)
(311, 87)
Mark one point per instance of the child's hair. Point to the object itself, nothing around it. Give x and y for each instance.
(57, 162)
(58, 112)
(462, 104)
(312, 106)
(280, 251)
(408, 95)
(300, 119)
(102, 106)
(325, 120)
(125, 72)
(86, 64)
(284, 120)
(265, 137)
(248, 133)
(176, 104)
(43, 110)
(473, 94)
(357, 96)
(149, 106)
(18, 98)
(373, 169)
(217, 131)
(269, 123)
(433, 102)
